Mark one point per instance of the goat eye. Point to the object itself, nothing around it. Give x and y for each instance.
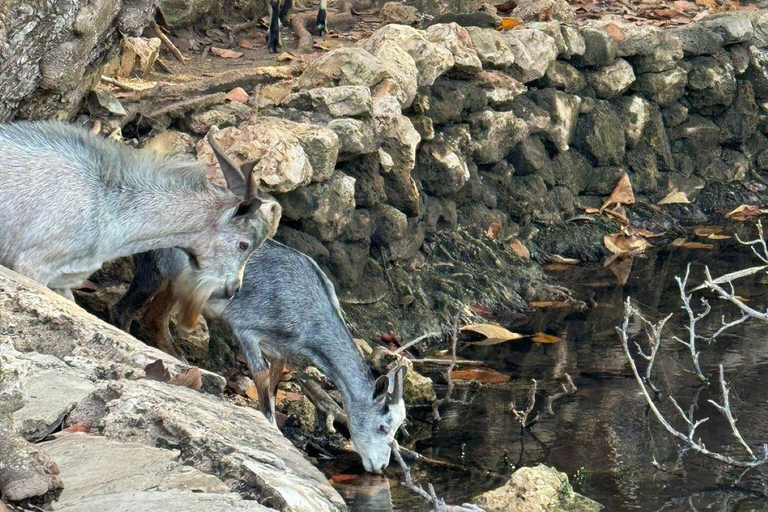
(244, 246)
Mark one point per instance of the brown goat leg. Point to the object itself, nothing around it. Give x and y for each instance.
(157, 319)
(263, 382)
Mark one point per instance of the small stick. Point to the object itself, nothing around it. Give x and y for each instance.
(163, 65)
(122, 85)
(167, 42)
(415, 341)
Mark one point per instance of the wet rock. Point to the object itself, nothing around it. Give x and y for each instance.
(644, 177)
(455, 38)
(343, 66)
(499, 88)
(432, 60)
(340, 101)
(417, 388)
(537, 489)
(599, 48)
(533, 51)
(356, 137)
(596, 135)
(401, 68)
(495, 134)
(452, 100)
(442, 168)
(562, 75)
(227, 114)
(696, 39)
(662, 88)
(739, 121)
(530, 157)
(612, 80)
(563, 112)
(534, 10)
(492, 48)
(711, 82)
(571, 170)
(732, 28)
(601, 181)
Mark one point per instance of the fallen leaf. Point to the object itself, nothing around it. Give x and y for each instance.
(549, 303)
(390, 340)
(675, 197)
(618, 213)
(708, 230)
(744, 212)
(620, 243)
(237, 95)
(556, 258)
(519, 248)
(509, 23)
(716, 236)
(615, 32)
(506, 7)
(557, 267)
(189, 378)
(225, 54)
(684, 244)
(246, 43)
(482, 375)
(620, 266)
(83, 426)
(406, 299)
(494, 231)
(622, 194)
(287, 56)
(157, 371)
(683, 5)
(493, 333)
(591, 210)
(541, 337)
(252, 392)
(644, 233)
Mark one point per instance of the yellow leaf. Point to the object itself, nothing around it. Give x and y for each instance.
(482, 375)
(541, 337)
(675, 197)
(622, 194)
(549, 303)
(744, 212)
(493, 333)
(509, 23)
(519, 249)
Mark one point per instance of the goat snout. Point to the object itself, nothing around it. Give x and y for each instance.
(232, 288)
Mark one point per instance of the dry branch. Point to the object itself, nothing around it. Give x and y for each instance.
(167, 42)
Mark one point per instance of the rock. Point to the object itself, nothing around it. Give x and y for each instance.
(599, 48)
(417, 388)
(757, 72)
(596, 134)
(739, 121)
(530, 157)
(562, 75)
(390, 223)
(571, 170)
(695, 39)
(455, 38)
(452, 100)
(674, 114)
(760, 28)
(573, 42)
(343, 66)
(424, 126)
(340, 101)
(227, 114)
(732, 28)
(431, 59)
(655, 135)
(612, 80)
(644, 177)
(536, 10)
(302, 242)
(171, 143)
(356, 137)
(442, 168)
(325, 208)
(347, 261)
(664, 56)
(395, 12)
(499, 88)
(711, 82)
(138, 56)
(213, 436)
(369, 182)
(102, 102)
(289, 154)
(399, 141)
(533, 51)
(178, 13)
(739, 54)
(662, 88)
(635, 111)
(401, 68)
(492, 48)
(537, 489)
(495, 134)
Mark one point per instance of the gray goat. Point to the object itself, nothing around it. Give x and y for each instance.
(286, 308)
(69, 201)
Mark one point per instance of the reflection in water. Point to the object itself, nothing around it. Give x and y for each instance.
(601, 436)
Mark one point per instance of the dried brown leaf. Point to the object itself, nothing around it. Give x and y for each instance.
(549, 303)
(157, 371)
(519, 248)
(493, 333)
(225, 54)
(615, 32)
(190, 378)
(622, 194)
(481, 375)
(684, 244)
(556, 258)
(494, 231)
(744, 212)
(620, 243)
(675, 197)
(541, 337)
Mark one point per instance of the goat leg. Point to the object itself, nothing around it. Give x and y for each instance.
(263, 382)
(25, 472)
(157, 319)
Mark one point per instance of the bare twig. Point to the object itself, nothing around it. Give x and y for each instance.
(167, 42)
(447, 374)
(120, 84)
(415, 341)
(693, 319)
(725, 410)
(566, 388)
(759, 241)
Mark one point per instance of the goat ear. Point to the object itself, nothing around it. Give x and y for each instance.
(247, 208)
(380, 389)
(247, 171)
(396, 380)
(236, 182)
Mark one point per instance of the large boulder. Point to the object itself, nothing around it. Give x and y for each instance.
(401, 68)
(598, 133)
(432, 60)
(495, 134)
(612, 80)
(455, 38)
(343, 66)
(533, 50)
(492, 48)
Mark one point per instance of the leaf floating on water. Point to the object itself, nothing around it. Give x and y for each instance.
(557, 267)
(556, 258)
(620, 266)
(481, 375)
(157, 371)
(509, 23)
(519, 248)
(226, 54)
(622, 194)
(494, 333)
(549, 304)
(745, 212)
(684, 244)
(619, 214)
(542, 337)
(706, 231)
(620, 243)
(675, 197)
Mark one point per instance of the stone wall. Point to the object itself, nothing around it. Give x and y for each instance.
(413, 133)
